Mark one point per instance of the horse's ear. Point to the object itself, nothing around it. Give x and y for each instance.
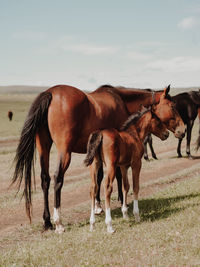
(166, 90)
(142, 108)
(153, 108)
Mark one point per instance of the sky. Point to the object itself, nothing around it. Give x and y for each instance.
(87, 43)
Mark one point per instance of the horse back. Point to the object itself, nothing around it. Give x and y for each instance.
(185, 106)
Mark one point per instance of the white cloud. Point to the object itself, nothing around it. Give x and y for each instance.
(138, 56)
(176, 64)
(89, 49)
(189, 23)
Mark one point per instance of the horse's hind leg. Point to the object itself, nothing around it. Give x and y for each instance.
(126, 187)
(135, 176)
(108, 191)
(93, 190)
(43, 143)
(64, 158)
(98, 208)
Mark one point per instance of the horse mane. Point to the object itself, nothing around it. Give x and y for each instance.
(132, 119)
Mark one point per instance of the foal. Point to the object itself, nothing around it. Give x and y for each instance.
(122, 148)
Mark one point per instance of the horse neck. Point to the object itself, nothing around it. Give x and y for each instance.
(143, 126)
(133, 98)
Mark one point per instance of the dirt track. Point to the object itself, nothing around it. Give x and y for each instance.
(75, 194)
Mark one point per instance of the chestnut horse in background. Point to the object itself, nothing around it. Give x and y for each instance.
(188, 106)
(66, 116)
(125, 149)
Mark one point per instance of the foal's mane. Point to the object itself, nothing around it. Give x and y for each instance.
(132, 119)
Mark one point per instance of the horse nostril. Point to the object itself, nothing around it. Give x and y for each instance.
(183, 135)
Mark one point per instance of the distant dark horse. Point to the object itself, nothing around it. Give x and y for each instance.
(188, 105)
(10, 115)
(67, 116)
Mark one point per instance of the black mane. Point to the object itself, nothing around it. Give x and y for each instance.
(132, 119)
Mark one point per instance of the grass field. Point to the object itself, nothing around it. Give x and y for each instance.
(168, 234)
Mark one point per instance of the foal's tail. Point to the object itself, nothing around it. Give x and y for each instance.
(198, 139)
(24, 158)
(94, 142)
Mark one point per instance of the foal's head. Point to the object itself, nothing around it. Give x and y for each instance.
(166, 111)
(147, 122)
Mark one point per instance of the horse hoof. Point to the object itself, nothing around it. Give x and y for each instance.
(91, 228)
(179, 156)
(125, 217)
(110, 230)
(47, 226)
(190, 157)
(137, 217)
(59, 229)
(98, 209)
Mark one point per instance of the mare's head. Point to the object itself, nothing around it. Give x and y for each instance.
(147, 122)
(168, 114)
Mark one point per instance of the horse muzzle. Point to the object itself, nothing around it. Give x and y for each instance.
(165, 135)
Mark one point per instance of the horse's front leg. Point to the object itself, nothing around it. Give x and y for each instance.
(189, 131)
(64, 161)
(135, 176)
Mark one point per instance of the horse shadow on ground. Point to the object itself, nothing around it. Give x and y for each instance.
(185, 157)
(159, 208)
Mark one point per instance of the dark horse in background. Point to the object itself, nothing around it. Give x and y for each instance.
(188, 106)
(67, 116)
(10, 115)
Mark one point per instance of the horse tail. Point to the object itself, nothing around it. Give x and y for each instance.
(24, 158)
(94, 142)
(198, 139)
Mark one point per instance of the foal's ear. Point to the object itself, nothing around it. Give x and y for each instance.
(153, 108)
(166, 90)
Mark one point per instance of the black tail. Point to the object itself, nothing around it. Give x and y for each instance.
(24, 158)
(94, 142)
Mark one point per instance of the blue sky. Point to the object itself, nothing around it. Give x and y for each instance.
(88, 43)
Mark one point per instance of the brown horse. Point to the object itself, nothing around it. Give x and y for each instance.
(122, 148)
(10, 115)
(66, 116)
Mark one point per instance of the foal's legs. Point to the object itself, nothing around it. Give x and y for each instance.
(135, 176)
(110, 176)
(64, 158)
(93, 190)
(119, 184)
(43, 143)
(98, 208)
(125, 187)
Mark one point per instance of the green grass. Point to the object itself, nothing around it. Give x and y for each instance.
(20, 106)
(166, 236)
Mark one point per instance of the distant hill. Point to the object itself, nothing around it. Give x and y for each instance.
(22, 89)
(28, 89)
